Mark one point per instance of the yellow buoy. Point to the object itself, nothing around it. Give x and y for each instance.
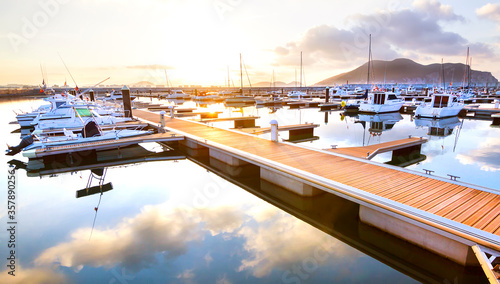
(342, 103)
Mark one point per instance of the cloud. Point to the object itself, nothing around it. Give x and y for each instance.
(490, 11)
(396, 33)
(134, 242)
(152, 66)
(435, 9)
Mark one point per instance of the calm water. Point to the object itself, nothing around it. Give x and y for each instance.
(188, 221)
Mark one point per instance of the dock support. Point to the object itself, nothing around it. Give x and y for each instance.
(226, 158)
(288, 182)
(327, 95)
(441, 245)
(127, 106)
(193, 149)
(92, 95)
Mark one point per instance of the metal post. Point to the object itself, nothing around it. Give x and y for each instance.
(171, 108)
(497, 103)
(327, 94)
(274, 130)
(92, 96)
(162, 118)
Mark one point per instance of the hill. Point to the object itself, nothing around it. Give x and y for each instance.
(406, 71)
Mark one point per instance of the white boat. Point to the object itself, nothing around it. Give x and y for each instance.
(206, 96)
(380, 102)
(441, 105)
(176, 95)
(55, 101)
(297, 94)
(116, 96)
(70, 138)
(73, 116)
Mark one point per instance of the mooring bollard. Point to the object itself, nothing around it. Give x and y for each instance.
(171, 108)
(497, 103)
(274, 130)
(327, 94)
(162, 118)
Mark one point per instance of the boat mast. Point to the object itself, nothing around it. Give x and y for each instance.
(369, 59)
(442, 70)
(241, 76)
(301, 69)
(228, 82)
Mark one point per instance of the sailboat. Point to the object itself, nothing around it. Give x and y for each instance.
(379, 101)
(240, 99)
(298, 94)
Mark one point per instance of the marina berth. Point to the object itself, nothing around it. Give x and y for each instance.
(381, 102)
(441, 106)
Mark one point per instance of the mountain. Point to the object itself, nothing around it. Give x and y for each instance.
(143, 84)
(277, 84)
(406, 71)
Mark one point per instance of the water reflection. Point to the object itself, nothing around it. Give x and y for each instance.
(438, 127)
(380, 122)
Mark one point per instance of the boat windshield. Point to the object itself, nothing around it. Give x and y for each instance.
(83, 112)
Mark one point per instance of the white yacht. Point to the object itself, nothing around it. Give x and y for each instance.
(441, 105)
(380, 102)
(90, 133)
(297, 94)
(176, 95)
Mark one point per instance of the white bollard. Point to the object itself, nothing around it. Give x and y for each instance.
(162, 118)
(274, 130)
(497, 103)
(171, 108)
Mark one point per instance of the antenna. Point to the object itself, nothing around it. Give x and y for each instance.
(76, 85)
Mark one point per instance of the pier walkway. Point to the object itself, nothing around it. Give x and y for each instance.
(451, 213)
(368, 152)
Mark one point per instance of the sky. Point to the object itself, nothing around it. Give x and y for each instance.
(196, 42)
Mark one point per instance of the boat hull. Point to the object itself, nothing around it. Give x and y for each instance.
(380, 108)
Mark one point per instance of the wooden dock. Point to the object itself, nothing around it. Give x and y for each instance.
(106, 144)
(263, 130)
(444, 216)
(484, 112)
(368, 152)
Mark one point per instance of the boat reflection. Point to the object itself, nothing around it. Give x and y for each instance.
(92, 160)
(380, 122)
(438, 127)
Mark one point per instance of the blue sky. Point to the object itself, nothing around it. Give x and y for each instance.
(195, 41)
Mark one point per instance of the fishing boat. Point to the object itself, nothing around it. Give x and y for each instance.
(297, 94)
(91, 132)
(440, 106)
(55, 101)
(381, 102)
(176, 95)
(72, 116)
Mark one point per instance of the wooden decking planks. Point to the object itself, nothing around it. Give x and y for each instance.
(466, 205)
(370, 151)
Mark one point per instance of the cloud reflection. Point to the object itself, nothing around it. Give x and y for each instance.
(487, 156)
(285, 241)
(134, 242)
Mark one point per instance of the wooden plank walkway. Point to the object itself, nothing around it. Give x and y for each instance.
(368, 152)
(262, 130)
(454, 201)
